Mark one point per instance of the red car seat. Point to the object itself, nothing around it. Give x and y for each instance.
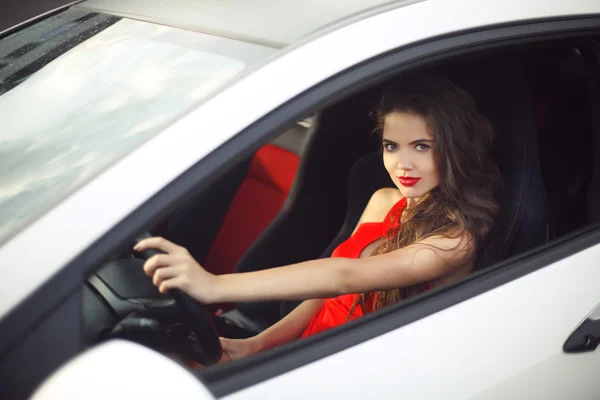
(255, 204)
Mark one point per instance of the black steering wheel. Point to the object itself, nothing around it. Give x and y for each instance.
(207, 351)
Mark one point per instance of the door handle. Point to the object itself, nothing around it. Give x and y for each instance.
(587, 335)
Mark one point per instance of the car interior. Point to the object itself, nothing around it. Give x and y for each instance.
(299, 196)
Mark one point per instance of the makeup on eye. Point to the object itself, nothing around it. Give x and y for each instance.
(419, 144)
(389, 146)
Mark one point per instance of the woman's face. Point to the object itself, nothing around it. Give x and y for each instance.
(408, 154)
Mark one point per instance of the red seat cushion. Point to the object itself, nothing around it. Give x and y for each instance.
(256, 203)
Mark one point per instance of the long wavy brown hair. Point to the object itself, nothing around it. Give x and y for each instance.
(469, 181)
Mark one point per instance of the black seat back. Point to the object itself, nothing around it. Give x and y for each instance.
(591, 54)
(316, 206)
(521, 223)
(366, 177)
(562, 111)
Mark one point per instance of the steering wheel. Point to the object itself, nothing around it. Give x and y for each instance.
(207, 351)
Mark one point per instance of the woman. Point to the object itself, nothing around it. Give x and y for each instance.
(421, 234)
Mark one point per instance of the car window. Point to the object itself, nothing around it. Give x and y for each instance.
(80, 90)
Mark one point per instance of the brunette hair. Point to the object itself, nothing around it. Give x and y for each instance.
(469, 181)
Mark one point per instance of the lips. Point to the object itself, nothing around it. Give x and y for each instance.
(408, 181)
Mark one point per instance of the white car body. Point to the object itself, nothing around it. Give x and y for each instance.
(504, 343)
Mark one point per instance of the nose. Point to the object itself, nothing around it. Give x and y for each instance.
(404, 164)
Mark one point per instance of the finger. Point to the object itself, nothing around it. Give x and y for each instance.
(158, 243)
(177, 282)
(167, 273)
(158, 261)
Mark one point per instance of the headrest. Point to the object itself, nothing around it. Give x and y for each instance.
(275, 167)
(366, 177)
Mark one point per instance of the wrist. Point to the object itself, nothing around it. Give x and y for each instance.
(256, 344)
(215, 289)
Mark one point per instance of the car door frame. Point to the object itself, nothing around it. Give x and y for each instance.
(223, 380)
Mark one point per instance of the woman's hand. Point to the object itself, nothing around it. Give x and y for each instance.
(177, 269)
(234, 349)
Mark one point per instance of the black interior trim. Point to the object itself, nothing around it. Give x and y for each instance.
(23, 369)
(37, 307)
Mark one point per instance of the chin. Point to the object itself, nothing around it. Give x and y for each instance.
(412, 193)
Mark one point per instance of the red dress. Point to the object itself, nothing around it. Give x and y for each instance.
(335, 310)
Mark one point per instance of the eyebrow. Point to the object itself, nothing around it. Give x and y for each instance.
(411, 143)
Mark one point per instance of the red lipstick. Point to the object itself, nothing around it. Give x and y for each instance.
(408, 181)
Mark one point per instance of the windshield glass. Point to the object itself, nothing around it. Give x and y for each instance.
(78, 91)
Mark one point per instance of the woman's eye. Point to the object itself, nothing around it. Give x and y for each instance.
(421, 147)
(389, 146)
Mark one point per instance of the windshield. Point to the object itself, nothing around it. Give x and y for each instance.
(78, 91)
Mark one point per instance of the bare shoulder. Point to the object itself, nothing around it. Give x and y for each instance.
(379, 205)
(383, 199)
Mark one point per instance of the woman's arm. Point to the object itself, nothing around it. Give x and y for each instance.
(290, 327)
(420, 262)
(284, 331)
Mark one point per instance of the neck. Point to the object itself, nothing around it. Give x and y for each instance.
(410, 202)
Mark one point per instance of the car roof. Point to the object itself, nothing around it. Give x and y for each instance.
(266, 22)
